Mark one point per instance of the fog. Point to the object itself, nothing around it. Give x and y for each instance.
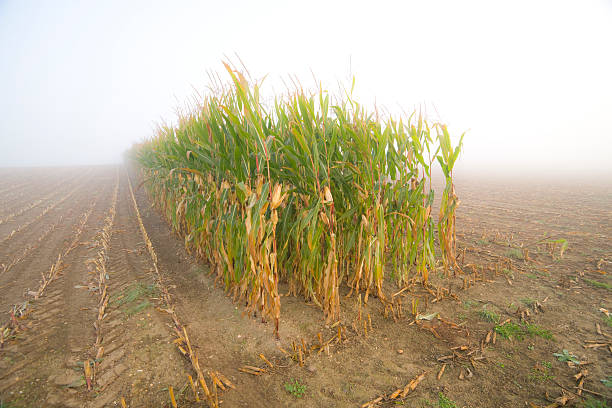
(530, 82)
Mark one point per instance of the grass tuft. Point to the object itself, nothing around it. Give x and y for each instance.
(540, 375)
(591, 402)
(510, 330)
(445, 402)
(467, 304)
(488, 315)
(134, 298)
(515, 253)
(535, 330)
(134, 292)
(138, 308)
(597, 284)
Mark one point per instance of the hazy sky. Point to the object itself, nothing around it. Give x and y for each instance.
(531, 81)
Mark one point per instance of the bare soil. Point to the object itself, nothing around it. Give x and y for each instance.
(511, 270)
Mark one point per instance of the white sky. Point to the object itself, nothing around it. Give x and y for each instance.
(531, 81)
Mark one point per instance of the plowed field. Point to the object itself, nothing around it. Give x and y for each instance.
(94, 314)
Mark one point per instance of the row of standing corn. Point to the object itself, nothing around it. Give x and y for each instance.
(309, 191)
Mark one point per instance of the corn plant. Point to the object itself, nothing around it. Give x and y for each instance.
(310, 190)
(446, 219)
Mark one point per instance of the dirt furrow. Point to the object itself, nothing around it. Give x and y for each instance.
(35, 221)
(44, 359)
(34, 188)
(24, 276)
(22, 211)
(25, 188)
(14, 254)
(138, 360)
(11, 188)
(11, 197)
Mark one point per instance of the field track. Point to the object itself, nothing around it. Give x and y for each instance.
(95, 315)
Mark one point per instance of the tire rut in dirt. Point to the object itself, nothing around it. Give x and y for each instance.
(139, 360)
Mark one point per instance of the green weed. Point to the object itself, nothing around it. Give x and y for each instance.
(515, 253)
(597, 284)
(445, 402)
(591, 402)
(295, 388)
(488, 315)
(467, 304)
(607, 381)
(565, 356)
(535, 330)
(133, 292)
(510, 330)
(561, 243)
(131, 311)
(131, 297)
(540, 374)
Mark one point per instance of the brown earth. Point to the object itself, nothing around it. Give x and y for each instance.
(510, 266)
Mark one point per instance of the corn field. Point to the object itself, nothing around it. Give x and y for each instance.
(307, 190)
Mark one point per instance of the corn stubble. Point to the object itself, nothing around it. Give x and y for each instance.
(20, 311)
(97, 266)
(311, 191)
